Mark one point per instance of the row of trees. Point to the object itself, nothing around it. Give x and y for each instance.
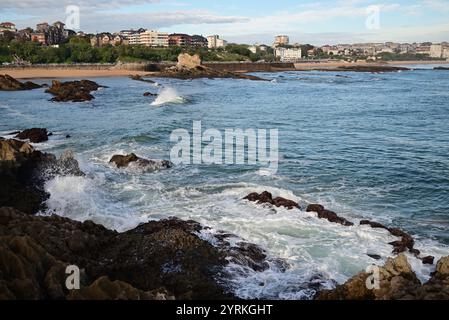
(79, 50)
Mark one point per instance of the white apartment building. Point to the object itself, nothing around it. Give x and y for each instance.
(288, 55)
(134, 38)
(215, 42)
(151, 38)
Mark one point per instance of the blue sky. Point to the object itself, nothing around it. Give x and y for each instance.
(316, 22)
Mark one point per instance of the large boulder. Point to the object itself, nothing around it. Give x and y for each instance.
(328, 215)
(75, 91)
(267, 197)
(8, 83)
(34, 135)
(26, 170)
(188, 61)
(123, 161)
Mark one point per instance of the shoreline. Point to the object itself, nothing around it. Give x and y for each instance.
(91, 72)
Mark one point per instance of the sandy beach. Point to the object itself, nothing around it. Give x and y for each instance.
(67, 72)
(33, 73)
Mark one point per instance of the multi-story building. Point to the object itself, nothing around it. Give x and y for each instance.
(39, 37)
(198, 41)
(7, 26)
(151, 38)
(423, 49)
(179, 39)
(281, 40)
(134, 39)
(288, 54)
(436, 51)
(214, 42)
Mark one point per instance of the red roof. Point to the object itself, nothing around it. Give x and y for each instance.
(7, 24)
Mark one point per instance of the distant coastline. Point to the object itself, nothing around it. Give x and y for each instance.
(122, 70)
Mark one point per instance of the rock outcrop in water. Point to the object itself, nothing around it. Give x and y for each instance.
(397, 281)
(328, 215)
(25, 169)
(138, 77)
(8, 83)
(34, 135)
(360, 68)
(75, 91)
(124, 161)
(191, 68)
(266, 197)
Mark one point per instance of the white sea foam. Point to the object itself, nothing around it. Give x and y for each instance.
(316, 249)
(166, 96)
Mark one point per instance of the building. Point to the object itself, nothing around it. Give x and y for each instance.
(253, 49)
(7, 26)
(281, 40)
(288, 55)
(134, 39)
(151, 38)
(214, 42)
(423, 49)
(180, 40)
(198, 41)
(39, 37)
(436, 51)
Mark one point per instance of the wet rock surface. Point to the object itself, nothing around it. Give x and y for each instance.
(74, 91)
(8, 83)
(328, 215)
(34, 135)
(137, 77)
(156, 260)
(26, 169)
(397, 281)
(191, 68)
(123, 161)
(267, 197)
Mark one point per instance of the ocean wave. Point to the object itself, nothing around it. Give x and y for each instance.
(168, 95)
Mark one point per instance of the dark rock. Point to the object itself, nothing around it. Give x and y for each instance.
(149, 94)
(191, 68)
(138, 263)
(328, 215)
(266, 197)
(8, 83)
(373, 224)
(441, 68)
(428, 260)
(140, 78)
(148, 164)
(26, 170)
(68, 136)
(374, 256)
(35, 135)
(75, 91)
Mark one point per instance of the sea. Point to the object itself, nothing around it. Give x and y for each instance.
(365, 145)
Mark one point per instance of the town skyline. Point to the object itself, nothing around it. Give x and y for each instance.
(306, 22)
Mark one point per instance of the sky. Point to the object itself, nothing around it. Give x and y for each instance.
(248, 21)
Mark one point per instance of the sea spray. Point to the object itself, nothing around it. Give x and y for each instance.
(166, 96)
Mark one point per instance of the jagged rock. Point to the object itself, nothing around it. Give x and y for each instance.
(374, 256)
(8, 83)
(149, 94)
(26, 170)
(266, 197)
(124, 161)
(138, 77)
(134, 264)
(75, 91)
(428, 260)
(327, 214)
(34, 135)
(188, 61)
(406, 242)
(189, 68)
(105, 289)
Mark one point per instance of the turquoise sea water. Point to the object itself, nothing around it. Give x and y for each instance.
(364, 145)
